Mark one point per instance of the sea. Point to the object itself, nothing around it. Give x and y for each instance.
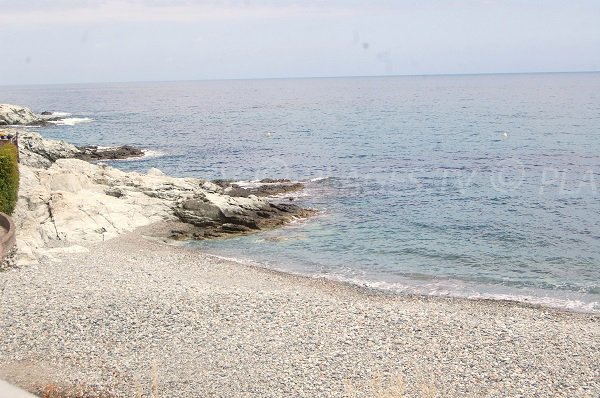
(474, 186)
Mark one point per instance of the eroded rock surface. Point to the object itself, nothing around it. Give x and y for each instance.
(37, 152)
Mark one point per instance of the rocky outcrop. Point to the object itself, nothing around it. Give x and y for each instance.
(37, 152)
(65, 202)
(17, 115)
(95, 153)
(214, 214)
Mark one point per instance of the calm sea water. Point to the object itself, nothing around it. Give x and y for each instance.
(474, 186)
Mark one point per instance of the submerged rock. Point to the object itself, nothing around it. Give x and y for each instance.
(265, 187)
(17, 115)
(93, 153)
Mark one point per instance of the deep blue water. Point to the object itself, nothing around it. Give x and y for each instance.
(477, 186)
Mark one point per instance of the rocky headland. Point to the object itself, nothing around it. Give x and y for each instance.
(15, 116)
(65, 202)
(18, 115)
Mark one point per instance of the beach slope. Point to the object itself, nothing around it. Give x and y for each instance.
(131, 314)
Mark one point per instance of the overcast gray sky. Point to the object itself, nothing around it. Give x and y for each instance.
(69, 41)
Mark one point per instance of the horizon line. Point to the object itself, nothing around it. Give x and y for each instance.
(299, 78)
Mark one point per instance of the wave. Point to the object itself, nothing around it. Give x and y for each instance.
(72, 121)
(260, 183)
(319, 179)
(460, 290)
(147, 154)
(440, 288)
(56, 114)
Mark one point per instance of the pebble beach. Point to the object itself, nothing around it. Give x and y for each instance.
(136, 317)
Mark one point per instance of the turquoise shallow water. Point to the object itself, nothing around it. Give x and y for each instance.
(476, 186)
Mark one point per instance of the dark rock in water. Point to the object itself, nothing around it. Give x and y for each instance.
(46, 113)
(201, 209)
(249, 220)
(266, 187)
(207, 220)
(285, 207)
(93, 153)
(274, 180)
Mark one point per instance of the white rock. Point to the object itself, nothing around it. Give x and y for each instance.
(155, 172)
(38, 152)
(14, 114)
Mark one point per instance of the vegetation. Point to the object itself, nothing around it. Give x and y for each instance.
(9, 178)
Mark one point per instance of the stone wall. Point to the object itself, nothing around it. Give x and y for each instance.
(7, 240)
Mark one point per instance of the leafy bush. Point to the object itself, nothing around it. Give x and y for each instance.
(9, 178)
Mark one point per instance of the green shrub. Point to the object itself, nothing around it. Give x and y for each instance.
(9, 178)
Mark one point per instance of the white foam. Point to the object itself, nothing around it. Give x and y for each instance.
(59, 114)
(149, 153)
(72, 121)
(293, 194)
(259, 183)
(317, 179)
(436, 288)
(457, 289)
(248, 184)
(570, 304)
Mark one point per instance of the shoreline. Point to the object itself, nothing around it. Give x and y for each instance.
(53, 175)
(372, 291)
(365, 287)
(216, 327)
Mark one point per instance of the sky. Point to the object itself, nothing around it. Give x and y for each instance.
(71, 41)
